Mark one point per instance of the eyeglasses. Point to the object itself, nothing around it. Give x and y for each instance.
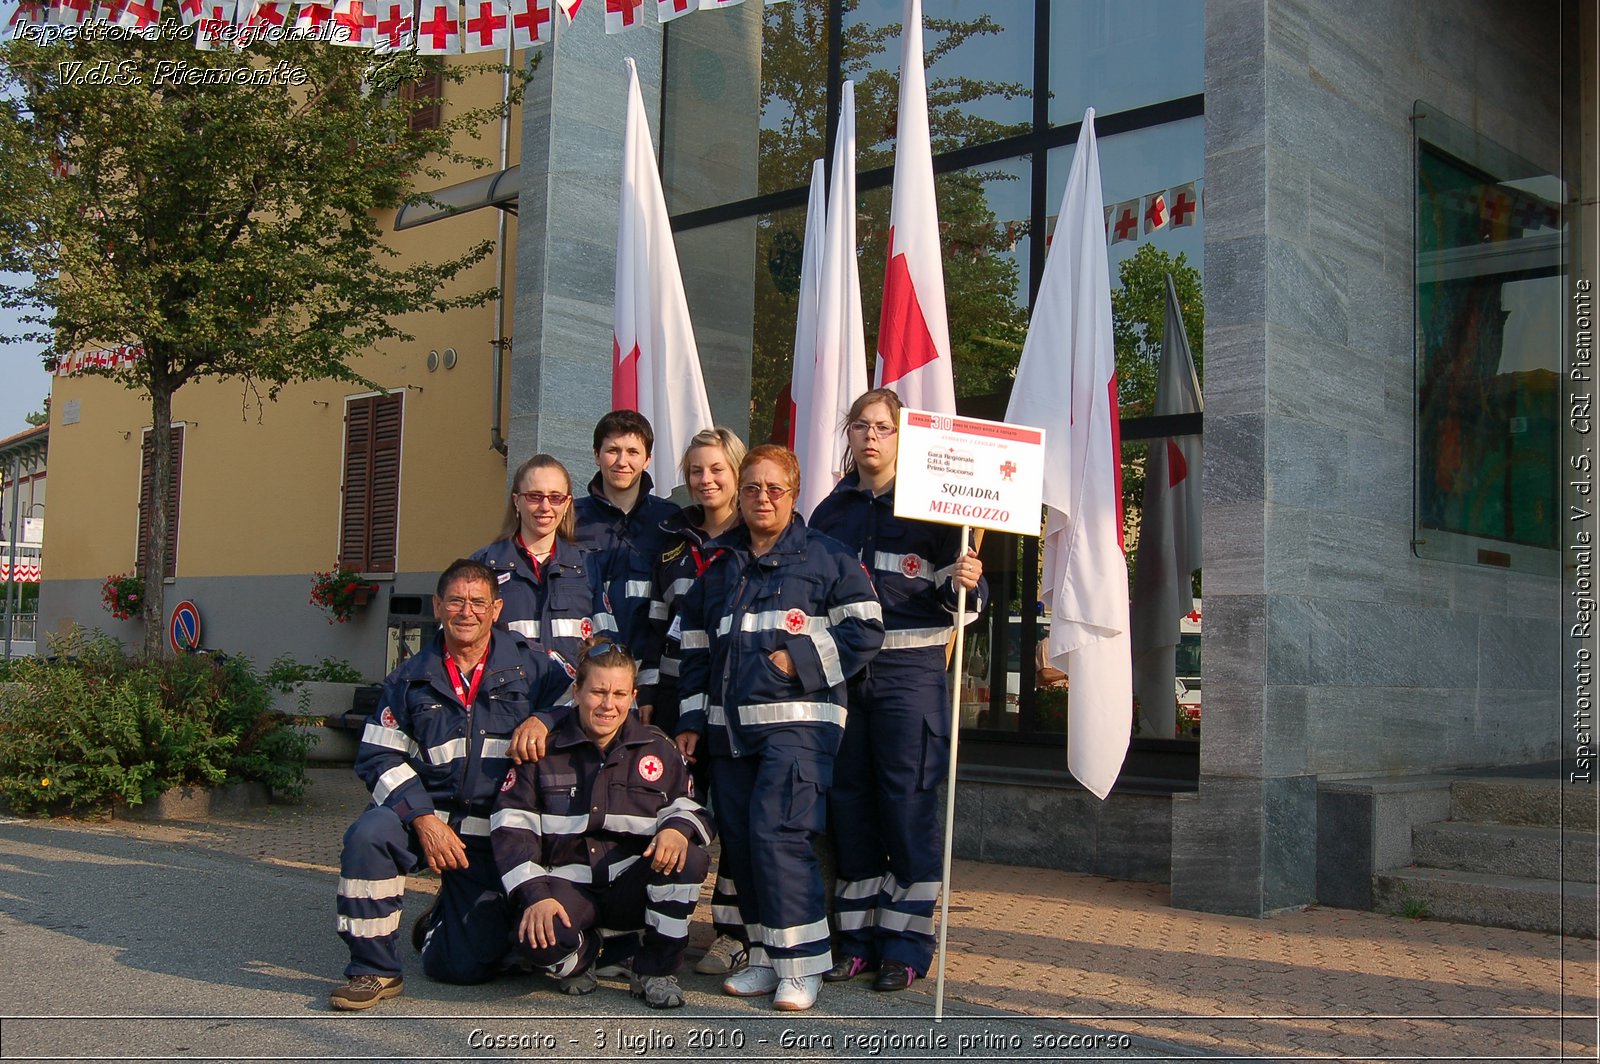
(866, 428)
(771, 491)
(457, 604)
(534, 498)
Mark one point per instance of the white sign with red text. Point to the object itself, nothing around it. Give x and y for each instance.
(965, 471)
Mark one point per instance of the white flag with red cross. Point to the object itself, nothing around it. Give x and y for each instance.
(569, 9)
(359, 20)
(1067, 385)
(1169, 532)
(1185, 205)
(1155, 213)
(667, 10)
(438, 29)
(839, 373)
(531, 22)
(488, 25)
(27, 13)
(311, 17)
(655, 365)
(215, 19)
(108, 12)
(1125, 221)
(72, 12)
(708, 5)
(913, 332)
(259, 16)
(140, 15)
(622, 14)
(396, 27)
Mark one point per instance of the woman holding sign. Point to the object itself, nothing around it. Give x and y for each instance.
(883, 810)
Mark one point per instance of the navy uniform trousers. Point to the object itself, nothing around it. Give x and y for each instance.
(471, 927)
(659, 902)
(768, 804)
(885, 808)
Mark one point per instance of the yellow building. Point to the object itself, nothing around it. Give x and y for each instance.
(394, 484)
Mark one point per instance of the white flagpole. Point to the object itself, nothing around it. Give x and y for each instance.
(950, 783)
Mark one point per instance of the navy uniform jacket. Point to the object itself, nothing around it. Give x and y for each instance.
(627, 545)
(679, 564)
(809, 596)
(423, 752)
(557, 608)
(584, 815)
(910, 563)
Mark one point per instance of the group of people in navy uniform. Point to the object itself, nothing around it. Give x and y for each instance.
(612, 662)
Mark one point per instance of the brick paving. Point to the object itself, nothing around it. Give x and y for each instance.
(1114, 956)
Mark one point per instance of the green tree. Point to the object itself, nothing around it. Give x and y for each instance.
(40, 416)
(1139, 322)
(230, 230)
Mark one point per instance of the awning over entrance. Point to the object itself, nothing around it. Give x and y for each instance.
(499, 189)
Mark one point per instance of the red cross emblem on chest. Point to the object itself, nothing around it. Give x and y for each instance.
(587, 628)
(794, 621)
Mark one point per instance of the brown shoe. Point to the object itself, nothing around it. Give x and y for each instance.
(365, 991)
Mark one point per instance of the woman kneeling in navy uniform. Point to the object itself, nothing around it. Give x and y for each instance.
(603, 831)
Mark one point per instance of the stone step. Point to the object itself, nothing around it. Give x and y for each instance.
(1506, 850)
(1536, 802)
(1488, 900)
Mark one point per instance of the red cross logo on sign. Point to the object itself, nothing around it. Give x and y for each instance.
(911, 565)
(650, 768)
(794, 621)
(1007, 469)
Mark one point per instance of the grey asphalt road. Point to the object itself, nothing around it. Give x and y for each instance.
(114, 947)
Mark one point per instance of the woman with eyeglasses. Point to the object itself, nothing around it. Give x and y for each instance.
(603, 831)
(884, 809)
(710, 467)
(769, 633)
(550, 596)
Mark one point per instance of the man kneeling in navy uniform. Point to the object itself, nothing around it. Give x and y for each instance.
(603, 831)
(448, 725)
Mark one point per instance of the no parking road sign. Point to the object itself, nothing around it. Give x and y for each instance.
(183, 627)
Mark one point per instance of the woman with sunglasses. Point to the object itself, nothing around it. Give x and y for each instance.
(769, 633)
(710, 468)
(603, 831)
(884, 810)
(550, 596)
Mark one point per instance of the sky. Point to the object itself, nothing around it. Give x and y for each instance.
(23, 381)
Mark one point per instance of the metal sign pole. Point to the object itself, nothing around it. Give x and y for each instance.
(950, 783)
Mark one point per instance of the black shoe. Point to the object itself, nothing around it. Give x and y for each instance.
(848, 968)
(419, 930)
(894, 976)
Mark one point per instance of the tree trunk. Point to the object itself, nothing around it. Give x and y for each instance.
(158, 529)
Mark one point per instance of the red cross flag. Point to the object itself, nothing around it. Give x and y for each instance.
(913, 332)
(359, 20)
(1184, 205)
(73, 12)
(1169, 533)
(707, 5)
(622, 15)
(569, 9)
(655, 367)
(1125, 221)
(108, 12)
(257, 15)
(217, 17)
(1067, 385)
(396, 26)
(1155, 212)
(27, 13)
(839, 351)
(488, 25)
(530, 22)
(311, 17)
(667, 10)
(438, 31)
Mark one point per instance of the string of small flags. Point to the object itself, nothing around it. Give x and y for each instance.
(430, 27)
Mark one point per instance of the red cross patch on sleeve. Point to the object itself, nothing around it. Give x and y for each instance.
(511, 780)
(650, 767)
(386, 718)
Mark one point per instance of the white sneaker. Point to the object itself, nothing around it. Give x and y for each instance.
(726, 956)
(753, 981)
(796, 993)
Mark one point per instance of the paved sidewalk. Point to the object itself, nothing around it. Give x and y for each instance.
(1113, 956)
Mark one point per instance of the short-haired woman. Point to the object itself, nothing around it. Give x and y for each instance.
(770, 631)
